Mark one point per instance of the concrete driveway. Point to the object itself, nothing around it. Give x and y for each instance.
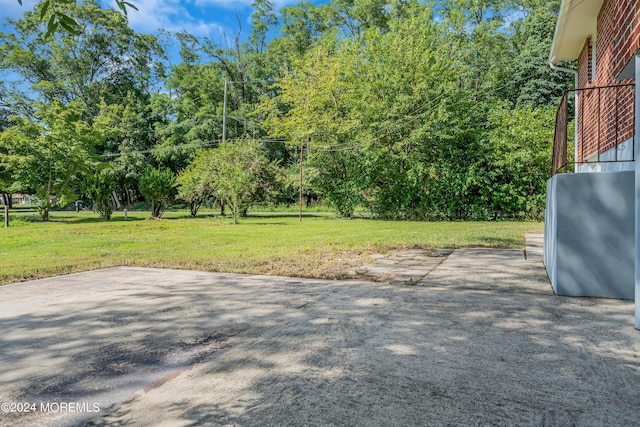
(480, 340)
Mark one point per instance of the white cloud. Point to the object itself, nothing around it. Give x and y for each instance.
(235, 4)
(152, 15)
(169, 15)
(227, 4)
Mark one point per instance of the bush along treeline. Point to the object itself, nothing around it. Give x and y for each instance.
(410, 109)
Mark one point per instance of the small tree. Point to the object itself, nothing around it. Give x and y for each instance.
(194, 186)
(98, 188)
(158, 187)
(235, 172)
(236, 169)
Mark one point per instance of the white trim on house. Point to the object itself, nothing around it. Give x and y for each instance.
(577, 20)
(608, 159)
(594, 68)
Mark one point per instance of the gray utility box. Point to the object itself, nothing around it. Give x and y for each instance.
(589, 234)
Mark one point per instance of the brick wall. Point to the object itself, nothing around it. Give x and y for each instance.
(584, 65)
(607, 114)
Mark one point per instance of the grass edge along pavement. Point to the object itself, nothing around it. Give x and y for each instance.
(320, 246)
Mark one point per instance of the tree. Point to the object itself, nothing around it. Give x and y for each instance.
(128, 137)
(98, 188)
(355, 102)
(191, 114)
(303, 25)
(314, 108)
(340, 177)
(520, 143)
(54, 11)
(108, 68)
(158, 187)
(535, 83)
(194, 183)
(263, 19)
(48, 156)
(107, 61)
(356, 16)
(233, 171)
(401, 106)
(6, 180)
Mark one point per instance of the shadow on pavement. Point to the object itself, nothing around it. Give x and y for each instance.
(475, 343)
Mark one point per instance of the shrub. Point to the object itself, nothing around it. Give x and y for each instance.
(158, 186)
(98, 189)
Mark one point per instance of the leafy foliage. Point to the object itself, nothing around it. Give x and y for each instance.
(194, 183)
(412, 110)
(55, 10)
(49, 156)
(233, 171)
(98, 188)
(413, 118)
(158, 186)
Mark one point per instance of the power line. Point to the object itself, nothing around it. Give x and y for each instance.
(200, 144)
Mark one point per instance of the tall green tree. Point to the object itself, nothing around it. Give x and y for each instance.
(49, 156)
(54, 13)
(191, 111)
(6, 180)
(106, 61)
(195, 185)
(534, 83)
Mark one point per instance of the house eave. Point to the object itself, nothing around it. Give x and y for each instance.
(577, 20)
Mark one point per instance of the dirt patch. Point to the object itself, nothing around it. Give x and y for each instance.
(326, 264)
(398, 266)
(402, 266)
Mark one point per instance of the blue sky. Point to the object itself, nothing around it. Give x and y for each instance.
(210, 18)
(199, 17)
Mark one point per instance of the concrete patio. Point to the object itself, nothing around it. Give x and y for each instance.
(479, 339)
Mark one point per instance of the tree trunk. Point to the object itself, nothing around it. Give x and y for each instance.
(7, 200)
(193, 208)
(236, 211)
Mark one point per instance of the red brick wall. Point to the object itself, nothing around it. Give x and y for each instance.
(618, 38)
(607, 114)
(584, 65)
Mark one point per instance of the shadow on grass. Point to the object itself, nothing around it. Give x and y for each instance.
(91, 220)
(22, 217)
(290, 215)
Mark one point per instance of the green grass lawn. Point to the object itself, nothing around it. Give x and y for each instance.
(320, 246)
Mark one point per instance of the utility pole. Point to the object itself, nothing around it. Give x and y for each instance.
(224, 113)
